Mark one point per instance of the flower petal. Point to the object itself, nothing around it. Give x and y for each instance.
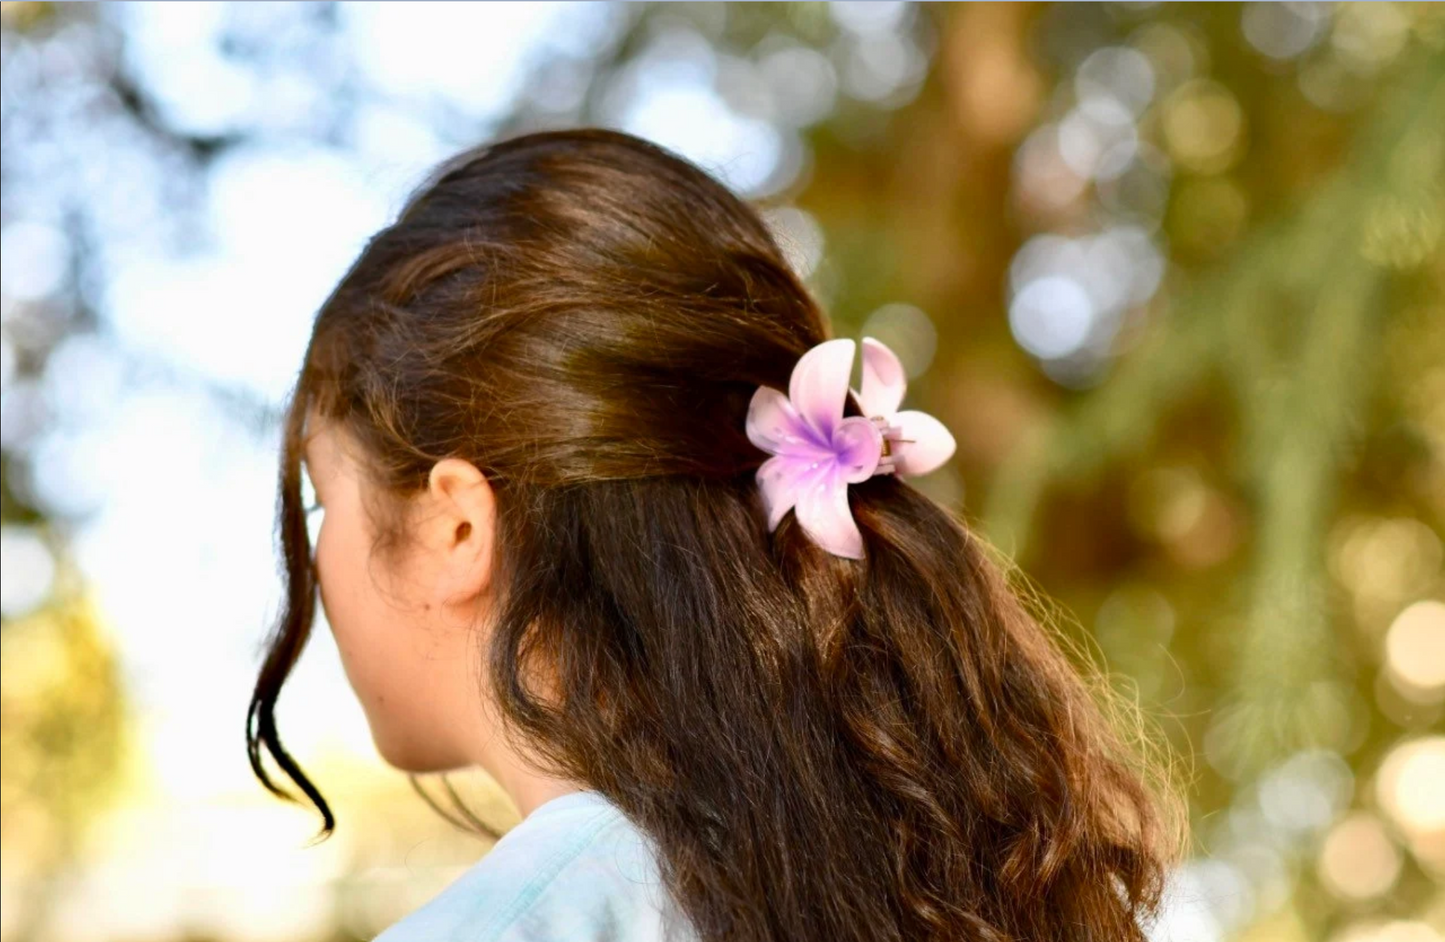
(819, 385)
(884, 380)
(777, 428)
(928, 443)
(823, 513)
(779, 480)
(858, 446)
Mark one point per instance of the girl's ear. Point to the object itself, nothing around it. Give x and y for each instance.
(460, 529)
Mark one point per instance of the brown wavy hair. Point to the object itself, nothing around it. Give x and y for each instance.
(892, 748)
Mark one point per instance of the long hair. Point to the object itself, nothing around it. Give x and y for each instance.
(892, 748)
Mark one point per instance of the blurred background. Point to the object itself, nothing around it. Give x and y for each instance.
(1173, 274)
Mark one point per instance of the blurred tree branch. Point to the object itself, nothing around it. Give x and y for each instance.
(1299, 354)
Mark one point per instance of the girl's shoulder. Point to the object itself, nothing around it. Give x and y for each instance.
(575, 869)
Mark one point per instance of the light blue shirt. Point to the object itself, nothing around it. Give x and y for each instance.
(574, 870)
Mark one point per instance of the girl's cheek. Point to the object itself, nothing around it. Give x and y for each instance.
(317, 541)
(320, 557)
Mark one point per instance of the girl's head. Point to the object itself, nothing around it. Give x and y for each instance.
(403, 629)
(523, 408)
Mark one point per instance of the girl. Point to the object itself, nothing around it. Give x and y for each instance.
(602, 518)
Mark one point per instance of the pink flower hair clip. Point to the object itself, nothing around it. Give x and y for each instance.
(817, 452)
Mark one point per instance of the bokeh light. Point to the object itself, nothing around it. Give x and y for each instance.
(1284, 30)
(1204, 126)
(1415, 650)
(1359, 860)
